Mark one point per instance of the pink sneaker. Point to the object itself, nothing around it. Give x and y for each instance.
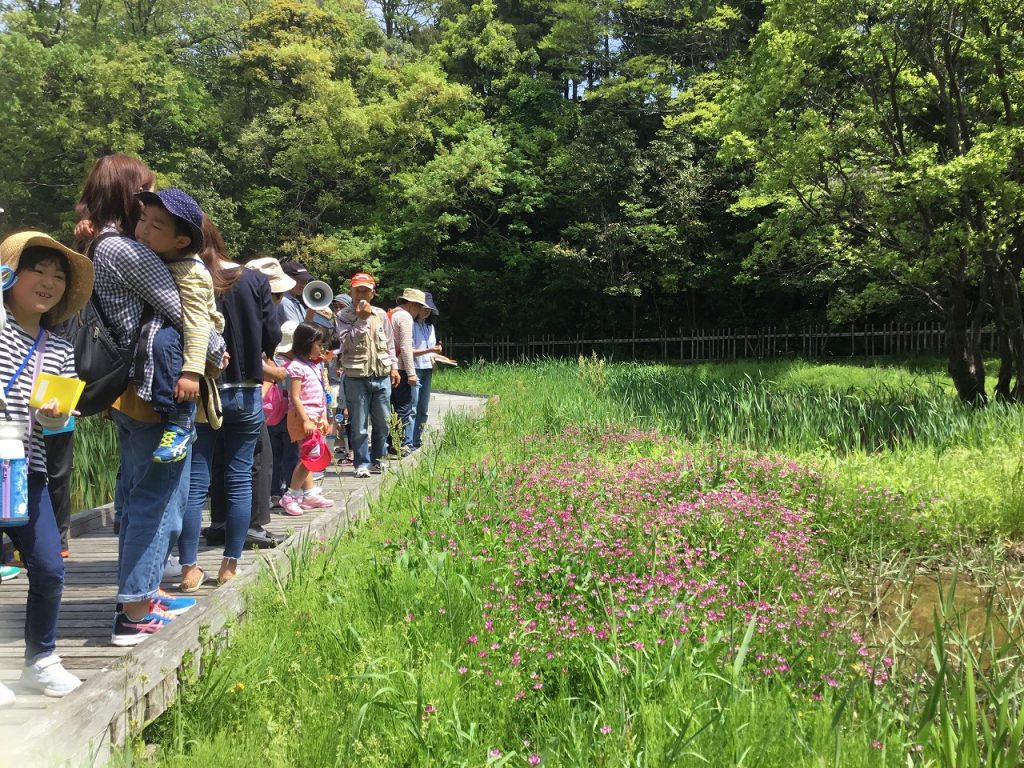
(315, 501)
(291, 505)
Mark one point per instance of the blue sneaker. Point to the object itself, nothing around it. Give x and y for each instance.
(171, 605)
(174, 444)
(8, 572)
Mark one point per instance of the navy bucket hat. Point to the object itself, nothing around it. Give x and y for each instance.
(179, 204)
(430, 303)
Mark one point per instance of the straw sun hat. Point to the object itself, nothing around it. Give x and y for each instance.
(80, 289)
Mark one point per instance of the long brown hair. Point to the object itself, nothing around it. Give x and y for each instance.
(108, 196)
(213, 253)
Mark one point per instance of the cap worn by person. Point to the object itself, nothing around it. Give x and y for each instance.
(287, 336)
(343, 299)
(430, 303)
(75, 297)
(363, 279)
(271, 267)
(181, 206)
(413, 296)
(296, 271)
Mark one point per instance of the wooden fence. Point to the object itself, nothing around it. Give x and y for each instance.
(868, 340)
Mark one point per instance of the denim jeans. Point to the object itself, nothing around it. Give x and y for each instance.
(168, 359)
(404, 398)
(422, 405)
(369, 399)
(153, 499)
(243, 419)
(261, 469)
(38, 541)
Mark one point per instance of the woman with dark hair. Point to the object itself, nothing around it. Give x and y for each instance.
(136, 292)
(251, 330)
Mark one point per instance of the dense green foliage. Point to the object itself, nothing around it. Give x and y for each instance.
(561, 584)
(555, 166)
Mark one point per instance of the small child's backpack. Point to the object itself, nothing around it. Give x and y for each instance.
(275, 405)
(99, 361)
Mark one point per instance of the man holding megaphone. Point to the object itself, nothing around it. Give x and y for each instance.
(291, 307)
(371, 370)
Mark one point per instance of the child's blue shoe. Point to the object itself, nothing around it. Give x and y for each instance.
(173, 444)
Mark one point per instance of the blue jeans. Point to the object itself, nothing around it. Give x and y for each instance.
(243, 419)
(168, 360)
(422, 405)
(153, 499)
(38, 542)
(286, 456)
(369, 399)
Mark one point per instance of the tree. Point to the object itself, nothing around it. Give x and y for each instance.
(885, 143)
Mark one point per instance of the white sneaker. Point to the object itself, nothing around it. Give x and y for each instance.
(7, 696)
(49, 677)
(172, 568)
(363, 472)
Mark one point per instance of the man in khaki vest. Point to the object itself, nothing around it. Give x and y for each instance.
(371, 370)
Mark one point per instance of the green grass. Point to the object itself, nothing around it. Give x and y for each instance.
(564, 498)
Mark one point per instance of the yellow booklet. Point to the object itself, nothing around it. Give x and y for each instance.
(65, 389)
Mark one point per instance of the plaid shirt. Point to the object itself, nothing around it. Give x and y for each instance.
(128, 277)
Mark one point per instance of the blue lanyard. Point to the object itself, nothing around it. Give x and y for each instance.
(17, 373)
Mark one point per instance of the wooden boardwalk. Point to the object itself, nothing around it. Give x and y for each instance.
(125, 688)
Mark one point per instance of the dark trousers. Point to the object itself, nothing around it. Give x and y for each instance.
(285, 457)
(403, 400)
(262, 469)
(60, 454)
(167, 362)
(39, 544)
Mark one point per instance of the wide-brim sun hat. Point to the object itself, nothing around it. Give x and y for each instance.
(313, 459)
(287, 336)
(271, 267)
(82, 273)
(414, 296)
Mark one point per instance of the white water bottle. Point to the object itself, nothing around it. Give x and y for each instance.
(13, 477)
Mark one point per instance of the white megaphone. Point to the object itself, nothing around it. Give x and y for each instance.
(317, 295)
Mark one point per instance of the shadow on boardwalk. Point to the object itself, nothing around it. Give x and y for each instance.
(125, 688)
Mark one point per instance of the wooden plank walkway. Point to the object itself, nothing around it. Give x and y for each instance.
(125, 688)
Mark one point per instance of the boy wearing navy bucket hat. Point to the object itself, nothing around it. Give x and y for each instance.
(171, 225)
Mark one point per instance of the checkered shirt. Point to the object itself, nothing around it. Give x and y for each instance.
(129, 276)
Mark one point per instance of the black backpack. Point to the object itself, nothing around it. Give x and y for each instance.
(99, 361)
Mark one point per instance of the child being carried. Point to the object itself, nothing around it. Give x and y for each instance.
(172, 227)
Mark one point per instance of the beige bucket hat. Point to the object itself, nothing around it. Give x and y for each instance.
(271, 267)
(415, 296)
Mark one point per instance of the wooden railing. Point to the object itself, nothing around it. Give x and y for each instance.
(866, 340)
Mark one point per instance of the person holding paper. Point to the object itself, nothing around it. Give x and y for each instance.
(53, 284)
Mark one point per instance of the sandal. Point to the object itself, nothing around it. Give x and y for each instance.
(227, 576)
(193, 581)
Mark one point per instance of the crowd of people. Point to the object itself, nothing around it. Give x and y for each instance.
(236, 390)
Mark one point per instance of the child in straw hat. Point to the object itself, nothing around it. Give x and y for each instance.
(52, 284)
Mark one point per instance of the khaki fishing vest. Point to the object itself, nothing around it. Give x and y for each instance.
(370, 356)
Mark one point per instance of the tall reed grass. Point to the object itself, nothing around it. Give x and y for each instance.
(97, 460)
